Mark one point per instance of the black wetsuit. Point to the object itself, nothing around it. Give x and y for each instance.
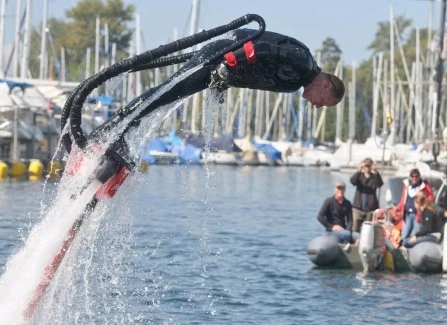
(283, 64)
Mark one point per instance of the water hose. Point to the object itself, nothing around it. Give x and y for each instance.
(164, 62)
(73, 107)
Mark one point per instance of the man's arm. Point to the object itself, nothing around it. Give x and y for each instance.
(429, 192)
(348, 216)
(378, 182)
(355, 179)
(323, 213)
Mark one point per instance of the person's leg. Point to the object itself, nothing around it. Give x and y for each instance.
(355, 237)
(407, 229)
(389, 245)
(416, 227)
(357, 219)
(422, 239)
(343, 236)
(428, 238)
(369, 215)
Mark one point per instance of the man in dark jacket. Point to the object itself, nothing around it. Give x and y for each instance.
(336, 216)
(366, 180)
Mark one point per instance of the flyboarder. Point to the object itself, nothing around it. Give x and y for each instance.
(250, 58)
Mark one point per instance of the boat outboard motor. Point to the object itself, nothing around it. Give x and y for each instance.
(372, 243)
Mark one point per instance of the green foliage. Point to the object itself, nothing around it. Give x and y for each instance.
(381, 42)
(330, 54)
(76, 33)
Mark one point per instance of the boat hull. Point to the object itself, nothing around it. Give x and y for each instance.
(325, 252)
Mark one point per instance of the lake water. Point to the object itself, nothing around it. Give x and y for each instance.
(212, 245)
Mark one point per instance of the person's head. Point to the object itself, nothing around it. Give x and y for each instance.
(421, 203)
(415, 176)
(325, 90)
(340, 188)
(367, 163)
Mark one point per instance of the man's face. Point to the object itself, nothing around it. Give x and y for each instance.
(319, 96)
(340, 192)
(414, 178)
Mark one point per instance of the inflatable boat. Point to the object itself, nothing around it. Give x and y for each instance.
(375, 252)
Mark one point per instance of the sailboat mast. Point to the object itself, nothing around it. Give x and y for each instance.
(15, 62)
(194, 28)
(26, 43)
(2, 34)
(43, 41)
(439, 68)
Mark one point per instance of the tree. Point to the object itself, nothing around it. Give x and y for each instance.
(76, 33)
(381, 42)
(330, 54)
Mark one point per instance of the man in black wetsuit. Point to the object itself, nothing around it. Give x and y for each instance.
(278, 63)
(273, 62)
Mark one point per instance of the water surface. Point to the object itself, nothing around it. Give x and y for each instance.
(213, 245)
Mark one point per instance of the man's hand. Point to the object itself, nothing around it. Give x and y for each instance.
(412, 239)
(337, 227)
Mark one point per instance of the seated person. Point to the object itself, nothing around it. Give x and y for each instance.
(411, 216)
(432, 221)
(336, 216)
(392, 223)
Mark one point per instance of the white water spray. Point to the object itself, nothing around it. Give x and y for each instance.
(25, 270)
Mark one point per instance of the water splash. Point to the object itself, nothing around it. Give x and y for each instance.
(105, 236)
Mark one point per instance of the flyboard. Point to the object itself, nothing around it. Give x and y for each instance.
(108, 147)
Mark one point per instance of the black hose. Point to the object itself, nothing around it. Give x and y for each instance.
(86, 87)
(66, 140)
(163, 62)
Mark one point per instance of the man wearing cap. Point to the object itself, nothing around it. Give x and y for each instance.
(336, 215)
(366, 180)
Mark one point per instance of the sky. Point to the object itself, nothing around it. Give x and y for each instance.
(352, 23)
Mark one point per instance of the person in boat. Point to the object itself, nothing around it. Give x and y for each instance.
(432, 222)
(366, 180)
(411, 216)
(336, 216)
(273, 62)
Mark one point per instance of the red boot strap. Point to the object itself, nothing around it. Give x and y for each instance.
(230, 58)
(250, 52)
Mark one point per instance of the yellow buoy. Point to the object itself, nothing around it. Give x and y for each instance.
(17, 169)
(35, 170)
(3, 170)
(143, 167)
(388, 261)
(54, 169)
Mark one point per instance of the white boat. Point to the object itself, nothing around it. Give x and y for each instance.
(222, 157)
